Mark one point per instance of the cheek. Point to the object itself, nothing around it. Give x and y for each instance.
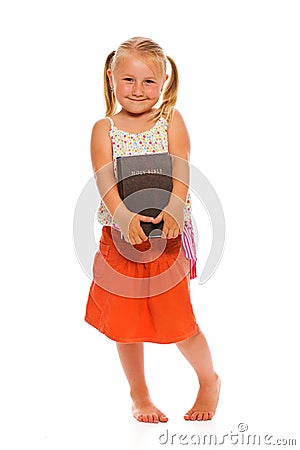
(122, 90)
(153, 91)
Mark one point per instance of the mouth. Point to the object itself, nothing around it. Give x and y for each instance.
(137, 99)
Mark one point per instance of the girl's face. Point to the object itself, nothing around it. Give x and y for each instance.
(137, 83)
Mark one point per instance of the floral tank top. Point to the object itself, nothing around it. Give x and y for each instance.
(150, 141)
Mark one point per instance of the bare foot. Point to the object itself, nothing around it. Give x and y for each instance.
(206, 402)
(145, 411)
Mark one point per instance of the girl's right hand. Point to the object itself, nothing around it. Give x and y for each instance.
(130, 226)
(136, 234)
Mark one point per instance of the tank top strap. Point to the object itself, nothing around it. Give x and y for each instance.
(110, 121)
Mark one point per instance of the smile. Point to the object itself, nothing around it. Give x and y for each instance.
(137, 99)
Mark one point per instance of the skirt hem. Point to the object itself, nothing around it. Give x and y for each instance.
(180, 338)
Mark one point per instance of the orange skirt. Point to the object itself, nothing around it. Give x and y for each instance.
(141, 293)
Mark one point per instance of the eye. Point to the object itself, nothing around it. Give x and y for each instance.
(149, 81)
(128, 79)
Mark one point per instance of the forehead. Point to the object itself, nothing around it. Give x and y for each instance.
(139, 65)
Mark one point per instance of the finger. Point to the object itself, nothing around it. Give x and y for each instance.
(145, 218)
(175, 233)
(165, 231)
(143, 235)
(133, 236)
(158, 218)
(135, 240)
(138, 236)
(170, 234)
(140, 233)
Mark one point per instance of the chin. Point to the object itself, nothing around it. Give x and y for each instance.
(137, 110)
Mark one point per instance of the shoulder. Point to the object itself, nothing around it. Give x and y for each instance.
(176, 120)
(177, 128)
(100, 133)
(101, 143)
(178, 135)
(101, 126)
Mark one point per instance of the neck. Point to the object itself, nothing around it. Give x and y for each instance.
(145, 116)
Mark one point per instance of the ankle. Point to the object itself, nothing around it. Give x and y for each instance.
(209, 380)
(140, 393)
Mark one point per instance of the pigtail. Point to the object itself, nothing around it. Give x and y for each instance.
(110, 99)
(169, 98)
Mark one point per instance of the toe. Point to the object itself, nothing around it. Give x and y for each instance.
(163, 419)
(141, 418)
(205, 416)
(197, 415)
(150, 417)
(187, 416)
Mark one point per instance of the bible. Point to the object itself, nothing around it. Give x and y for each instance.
(145, 185)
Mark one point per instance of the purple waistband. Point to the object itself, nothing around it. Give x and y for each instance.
(189, 246)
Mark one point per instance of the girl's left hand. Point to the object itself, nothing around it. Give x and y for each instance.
(173, 226)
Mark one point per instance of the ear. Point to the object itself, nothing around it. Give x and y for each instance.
(167, 76)
(109, 74)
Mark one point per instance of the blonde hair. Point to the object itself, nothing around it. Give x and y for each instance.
(147, 48)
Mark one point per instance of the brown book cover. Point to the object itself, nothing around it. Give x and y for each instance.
(145, 184)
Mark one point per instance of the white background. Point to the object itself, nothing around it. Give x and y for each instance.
(61, 382)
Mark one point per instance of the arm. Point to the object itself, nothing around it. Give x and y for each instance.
(102, 162)
(179, 148)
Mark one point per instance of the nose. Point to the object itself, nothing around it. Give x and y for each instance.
(138, 89)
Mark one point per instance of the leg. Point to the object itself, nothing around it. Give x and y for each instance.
(196, 351)
(132, 360)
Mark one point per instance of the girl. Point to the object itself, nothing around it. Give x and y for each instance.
(132, 299)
